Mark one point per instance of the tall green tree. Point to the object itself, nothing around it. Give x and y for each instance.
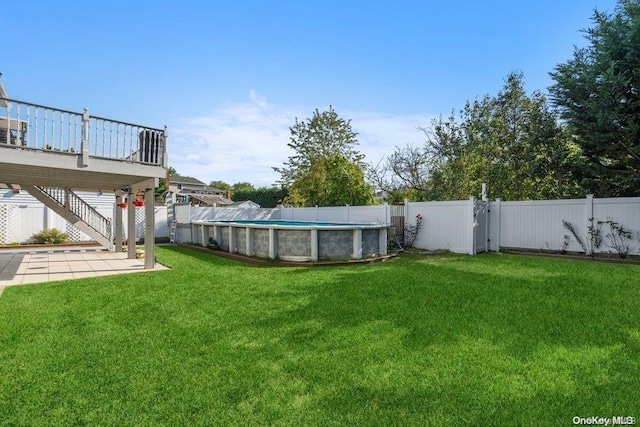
(242, 186)
(598, 95)
(266, 197)
(512, 142)
(163, 186)
(220, 185)
(326, 169)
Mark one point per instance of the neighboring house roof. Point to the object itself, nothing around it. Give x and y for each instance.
(203, 190)
(210, 199)
(244, 203)
(178, 179)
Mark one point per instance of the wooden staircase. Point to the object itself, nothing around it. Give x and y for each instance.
(72, 208)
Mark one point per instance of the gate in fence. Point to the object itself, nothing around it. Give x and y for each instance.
(397, 219)
(480, 226)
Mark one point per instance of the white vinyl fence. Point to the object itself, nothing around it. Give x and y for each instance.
(379, 214)
(21, 216)
(538, 225)
(445, 225)
(466, 226)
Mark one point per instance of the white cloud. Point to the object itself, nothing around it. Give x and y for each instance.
(380, 133)
(244, 141)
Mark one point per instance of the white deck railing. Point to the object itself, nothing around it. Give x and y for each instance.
(38, 127)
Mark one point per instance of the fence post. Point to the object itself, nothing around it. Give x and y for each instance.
(406, 215)
(472, 228)
(497, 210)
(387, 212)
(588, 216)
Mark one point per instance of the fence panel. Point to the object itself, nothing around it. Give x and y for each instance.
(445, 225)
(396, 217)
(161, 225)
(626, 212)
(538, 224)
(222, 213)
(378, 214)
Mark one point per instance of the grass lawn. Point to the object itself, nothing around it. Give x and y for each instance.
(491, 339)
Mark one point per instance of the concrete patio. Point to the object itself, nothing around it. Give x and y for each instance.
(26, 266)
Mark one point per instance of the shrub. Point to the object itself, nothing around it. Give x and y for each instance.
(50, 236)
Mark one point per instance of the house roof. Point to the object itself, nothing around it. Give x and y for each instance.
(188, 191)
(175, 178)
(210, 199)
(250, 202)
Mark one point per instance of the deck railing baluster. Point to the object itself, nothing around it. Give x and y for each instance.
(45, 128)
(62, 141)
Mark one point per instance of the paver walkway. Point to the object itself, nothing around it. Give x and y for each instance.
(20, 267)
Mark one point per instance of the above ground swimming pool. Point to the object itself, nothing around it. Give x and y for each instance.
(294, 240)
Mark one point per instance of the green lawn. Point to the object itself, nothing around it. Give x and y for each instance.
(491, 339)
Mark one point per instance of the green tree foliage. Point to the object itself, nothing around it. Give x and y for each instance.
(163, 186)
(326, 169)
(331, 181)
(220, 185)
(266, 197)
(403, 175)
(511, 141)
(598, 94)
(242, 186)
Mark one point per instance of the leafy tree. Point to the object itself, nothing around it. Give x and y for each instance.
(162, 188)
(403, 175)
(266, 197)
(331, 181)
(242, 186)
(598, 94)
(512, 142)
(326, 169)
(220, 185)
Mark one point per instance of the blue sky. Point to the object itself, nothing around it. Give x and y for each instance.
(229, 77)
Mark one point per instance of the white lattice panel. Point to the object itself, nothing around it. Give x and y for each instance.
(9, 224)
(139, 222)
(74, 234)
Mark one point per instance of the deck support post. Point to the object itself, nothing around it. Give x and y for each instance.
(131, 225)
(149, 229)
(118, 225)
